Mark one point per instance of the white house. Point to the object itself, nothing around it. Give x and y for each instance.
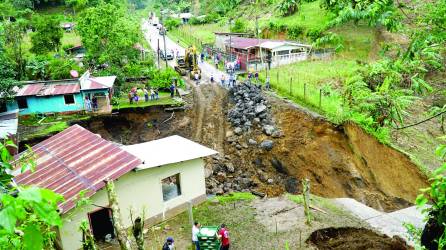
(160, 176)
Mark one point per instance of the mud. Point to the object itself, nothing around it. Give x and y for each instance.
(339, 161)
(354, 238)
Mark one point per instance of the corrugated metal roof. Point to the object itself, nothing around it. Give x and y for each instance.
(75, 160)
(42, 89)
(168, 150)
(102, 82)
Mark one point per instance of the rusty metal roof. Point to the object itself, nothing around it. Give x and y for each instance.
(75, 160)
(42, 89)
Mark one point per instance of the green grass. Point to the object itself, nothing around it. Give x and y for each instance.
(71, 38)
(309, 16)
(316, 201)
(233, 197)
(196, 34)
(52, 129)
(49, 125)
(164, 99)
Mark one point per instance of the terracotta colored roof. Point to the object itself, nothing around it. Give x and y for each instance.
(75, 160)
(46, 89)
(244, 43)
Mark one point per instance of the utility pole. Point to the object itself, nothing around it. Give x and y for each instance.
(258, 40)
(164, 38)
(158, 53)
(230, 40)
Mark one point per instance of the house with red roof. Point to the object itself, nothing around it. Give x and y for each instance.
(161, 177)
(64, 96)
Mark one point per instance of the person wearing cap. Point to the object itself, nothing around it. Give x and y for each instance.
(195, 231)
(223, 235)
(168, 245)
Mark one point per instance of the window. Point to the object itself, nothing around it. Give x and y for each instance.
(3, 107)
(69, 99)
(171, 187)
(22, 103)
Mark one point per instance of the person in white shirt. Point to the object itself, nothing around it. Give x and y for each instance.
(195, 231)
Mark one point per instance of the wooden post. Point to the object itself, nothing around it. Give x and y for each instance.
(320, 98)
(305, 91)
(306, 199)
(158, 53)
(121, 231)
(277, 77)
(291, 87)
(190, 212)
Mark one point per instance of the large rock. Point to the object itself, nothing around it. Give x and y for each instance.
(260, 108)
(230, 167)
(267, 145)
(292, 185)
(238, 131)
(252, 142)
(268, 129)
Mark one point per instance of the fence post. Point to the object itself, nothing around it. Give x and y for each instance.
(305, 91)
(291, 87)
(277, 78)
(320, 98)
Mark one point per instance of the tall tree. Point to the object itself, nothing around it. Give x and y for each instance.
(48, 35)
(108, 34)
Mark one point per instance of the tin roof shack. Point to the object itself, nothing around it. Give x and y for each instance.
(63, 96)
(222, 37)
(161, 176)
(273, 52)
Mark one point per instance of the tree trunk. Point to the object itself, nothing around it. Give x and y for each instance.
(121, 232)
(87, 238)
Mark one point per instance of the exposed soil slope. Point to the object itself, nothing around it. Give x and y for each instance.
(338, 161)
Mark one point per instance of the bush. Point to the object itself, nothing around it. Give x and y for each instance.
(212, 17)
(163, 78)
(295, 32)
(314, 34)
(195, 21)
(59, 68)
(172, 23)
(239, 26)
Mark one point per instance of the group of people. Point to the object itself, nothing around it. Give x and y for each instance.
(134, 96)
(91, 105)
(222, 234)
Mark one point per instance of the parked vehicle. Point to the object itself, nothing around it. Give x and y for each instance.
(166, 55)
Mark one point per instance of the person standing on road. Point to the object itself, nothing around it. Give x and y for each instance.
(216, 62)
(223, 78)
(146, 95)
(195, 231)
(197, 78)
(223, 235)
(230, 80)
(157, 94)
(256, 76)
(267, 83)
(172, 90)
(94, 102)
(212, 78)
(152, 94)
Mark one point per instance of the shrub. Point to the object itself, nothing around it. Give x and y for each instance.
(59, 68)
(239, 26)
(172, 23)
(314, 33)
(212, 17)
(163, 78)
(295, 32)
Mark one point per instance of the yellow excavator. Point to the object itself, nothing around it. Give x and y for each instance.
(188, 63)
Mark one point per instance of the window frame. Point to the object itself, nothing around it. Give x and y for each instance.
(179, 184)
(22, 100)
(65, 100)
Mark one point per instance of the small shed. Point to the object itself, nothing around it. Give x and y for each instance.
(161, 176)
(68, 27)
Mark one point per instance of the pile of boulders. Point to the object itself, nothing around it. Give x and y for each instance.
(223, 177)
(251, 109)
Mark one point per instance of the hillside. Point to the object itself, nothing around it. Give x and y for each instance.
(362, 44)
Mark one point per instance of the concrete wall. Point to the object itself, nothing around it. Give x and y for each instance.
(50, 104)
(139, 190)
